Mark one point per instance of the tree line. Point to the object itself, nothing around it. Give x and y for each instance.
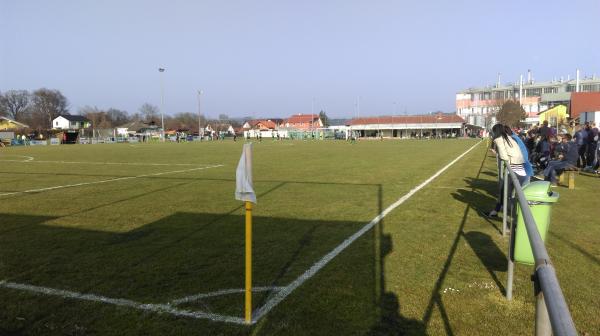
(38, 108)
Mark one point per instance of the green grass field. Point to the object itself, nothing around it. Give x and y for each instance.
(154, 223)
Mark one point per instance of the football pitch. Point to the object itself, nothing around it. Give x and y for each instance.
(377, 237)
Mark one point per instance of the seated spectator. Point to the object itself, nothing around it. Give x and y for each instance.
(561, 148)
(542, 153)
(566, 160)
(530, 143)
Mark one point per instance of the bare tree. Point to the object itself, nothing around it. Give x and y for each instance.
(98, 117)
(149, 112)
(15, 103)
(117, 117)
(47, 105)
(188, 120)
(184, 121)
(511, 113)
(324, 118)
(2, 107)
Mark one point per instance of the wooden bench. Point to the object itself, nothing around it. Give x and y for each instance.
(569, 174)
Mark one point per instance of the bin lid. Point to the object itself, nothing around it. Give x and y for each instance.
(540, 191)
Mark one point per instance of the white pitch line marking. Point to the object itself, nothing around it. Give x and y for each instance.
(31, 160)
(27, 158)
(157, 308)
(196, 297)
(281, 292)
(316, 267)
(106, 181)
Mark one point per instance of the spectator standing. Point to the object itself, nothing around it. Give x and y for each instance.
(592, 147)
(509, 151)
(544, 131)
(581, 138)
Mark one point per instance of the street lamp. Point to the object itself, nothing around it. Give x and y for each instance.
(162, 102)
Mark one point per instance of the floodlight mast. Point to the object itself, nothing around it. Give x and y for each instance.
(200, 133)
(312, 117)
(162, 102)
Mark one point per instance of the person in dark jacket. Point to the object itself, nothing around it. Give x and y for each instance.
(530, 144)
(593, 135)
(545, 131)
(581, 138)
(566, 159)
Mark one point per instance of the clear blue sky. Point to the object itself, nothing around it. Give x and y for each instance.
(270, 58)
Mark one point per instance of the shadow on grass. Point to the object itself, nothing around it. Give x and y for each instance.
(471, 198)
(478, 202)
(179, 255)
(489, 254)
(176, 256)
(391, 322)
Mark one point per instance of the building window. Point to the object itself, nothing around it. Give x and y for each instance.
(533, 92)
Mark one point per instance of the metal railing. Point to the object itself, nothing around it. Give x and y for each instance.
(552, 315)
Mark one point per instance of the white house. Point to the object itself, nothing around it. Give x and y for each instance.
(74, 122)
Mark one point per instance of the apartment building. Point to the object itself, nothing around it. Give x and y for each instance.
(478, 105)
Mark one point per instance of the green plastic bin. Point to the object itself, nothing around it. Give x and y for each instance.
(540, 199)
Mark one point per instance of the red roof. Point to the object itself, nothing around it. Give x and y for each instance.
(413, 119)
(302, 118)
(584, 102)
(265, 123)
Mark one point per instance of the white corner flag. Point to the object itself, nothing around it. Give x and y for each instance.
(244, 190)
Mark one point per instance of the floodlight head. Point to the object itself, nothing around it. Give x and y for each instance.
(161, 69)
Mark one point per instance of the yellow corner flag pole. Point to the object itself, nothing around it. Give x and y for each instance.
(248, 296)
(244, 191)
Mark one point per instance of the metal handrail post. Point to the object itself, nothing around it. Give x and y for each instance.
(511, 265)
(505, 200)
(558, 311)
(552, 303)
(543, 326)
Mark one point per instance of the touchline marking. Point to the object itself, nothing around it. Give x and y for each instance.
(27, 158)
(196, 297)
(106, 181)
(157, 308)
(287, 290)
(31, 160)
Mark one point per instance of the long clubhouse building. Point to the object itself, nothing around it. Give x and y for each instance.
(436, 125)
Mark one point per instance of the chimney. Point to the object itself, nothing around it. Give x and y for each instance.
(577, 81)
(521, 90)
(498, 82)
(528, 76)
